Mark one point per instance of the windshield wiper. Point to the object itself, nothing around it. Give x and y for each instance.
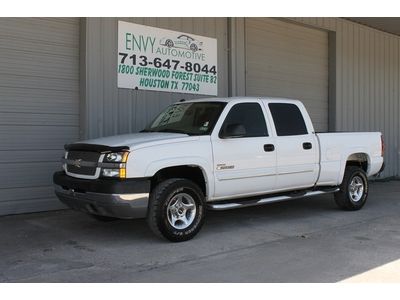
(166, 130)
(172, 130)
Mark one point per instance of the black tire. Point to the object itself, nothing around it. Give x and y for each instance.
(103, 218)
(161, 199)
(169, 43)
(194, 47)
(344, 198)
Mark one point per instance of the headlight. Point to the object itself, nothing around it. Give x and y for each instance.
(117, 157)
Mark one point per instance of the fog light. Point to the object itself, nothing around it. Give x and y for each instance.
(110, 172)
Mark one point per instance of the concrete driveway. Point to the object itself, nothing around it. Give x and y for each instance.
(307, 240)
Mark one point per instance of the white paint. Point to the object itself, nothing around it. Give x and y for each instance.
(254, 172)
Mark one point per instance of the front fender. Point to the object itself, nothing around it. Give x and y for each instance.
(195, 161)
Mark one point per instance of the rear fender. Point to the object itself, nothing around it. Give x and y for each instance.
(351, 155)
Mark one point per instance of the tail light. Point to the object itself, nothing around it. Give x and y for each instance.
(382, 146)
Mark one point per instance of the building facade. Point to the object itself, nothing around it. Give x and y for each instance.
(58, 84)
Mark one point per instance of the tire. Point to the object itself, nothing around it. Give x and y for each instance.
(103, 218)
(176, 209)
(353, 190)
(169, 43)
(194, 47)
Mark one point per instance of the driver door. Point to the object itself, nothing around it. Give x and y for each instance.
(245, 161)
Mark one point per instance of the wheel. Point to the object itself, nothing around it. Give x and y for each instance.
(176, 209)
(353, 190)
(194, 47)
(103, 218)
(169, 43)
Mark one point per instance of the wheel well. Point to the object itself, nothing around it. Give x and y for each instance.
(359, 160)
(193, 173)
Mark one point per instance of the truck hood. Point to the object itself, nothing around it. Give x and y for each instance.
(135, 139)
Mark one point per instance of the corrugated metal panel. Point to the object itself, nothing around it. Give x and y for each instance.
(288, 60)
(367, 82)
(110, 110)
(39, 107)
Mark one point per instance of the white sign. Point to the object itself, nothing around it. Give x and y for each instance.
(151, 58)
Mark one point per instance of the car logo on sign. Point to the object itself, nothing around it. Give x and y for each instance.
(77, 163)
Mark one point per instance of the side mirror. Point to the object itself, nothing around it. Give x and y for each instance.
(233, 131)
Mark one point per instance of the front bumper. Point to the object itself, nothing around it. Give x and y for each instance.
(125, 199)
(382, 168)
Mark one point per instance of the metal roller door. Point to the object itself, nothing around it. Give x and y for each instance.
(39, 107)
(288, 60)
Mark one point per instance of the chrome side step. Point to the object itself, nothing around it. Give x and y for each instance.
(239, 203)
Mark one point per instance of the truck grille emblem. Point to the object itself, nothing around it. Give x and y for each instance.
(77, 163)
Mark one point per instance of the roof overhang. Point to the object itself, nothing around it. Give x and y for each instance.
(391, 25)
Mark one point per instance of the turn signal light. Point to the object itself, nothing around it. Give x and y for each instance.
(122, 173)
(124, 157)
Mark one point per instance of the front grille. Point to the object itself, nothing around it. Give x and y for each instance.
(84, 156)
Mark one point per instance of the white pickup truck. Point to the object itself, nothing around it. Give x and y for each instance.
(218, 153)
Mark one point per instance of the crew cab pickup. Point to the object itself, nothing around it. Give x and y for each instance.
(218, 153)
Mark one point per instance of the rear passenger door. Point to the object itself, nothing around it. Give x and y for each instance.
(297, 149)
(245, 163)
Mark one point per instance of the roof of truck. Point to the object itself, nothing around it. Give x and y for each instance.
(243, 99)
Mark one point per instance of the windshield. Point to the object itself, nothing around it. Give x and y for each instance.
(193, 118)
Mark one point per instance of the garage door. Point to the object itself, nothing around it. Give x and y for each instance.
(39, 107)
(288, 60)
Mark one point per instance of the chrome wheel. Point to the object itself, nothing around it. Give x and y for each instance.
(181, 211)
(356, 189)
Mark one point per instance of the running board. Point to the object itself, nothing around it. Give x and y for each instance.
(239, 203)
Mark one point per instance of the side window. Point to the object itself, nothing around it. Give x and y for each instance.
(288, 119)
(248, 115)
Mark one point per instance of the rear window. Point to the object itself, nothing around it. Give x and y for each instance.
(288, 119)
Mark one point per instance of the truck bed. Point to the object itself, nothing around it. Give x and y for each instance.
(337, 147)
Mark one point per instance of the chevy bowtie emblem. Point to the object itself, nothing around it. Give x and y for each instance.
(77, 163)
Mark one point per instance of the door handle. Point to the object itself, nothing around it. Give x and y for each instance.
(307, 146)
(269, 147)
